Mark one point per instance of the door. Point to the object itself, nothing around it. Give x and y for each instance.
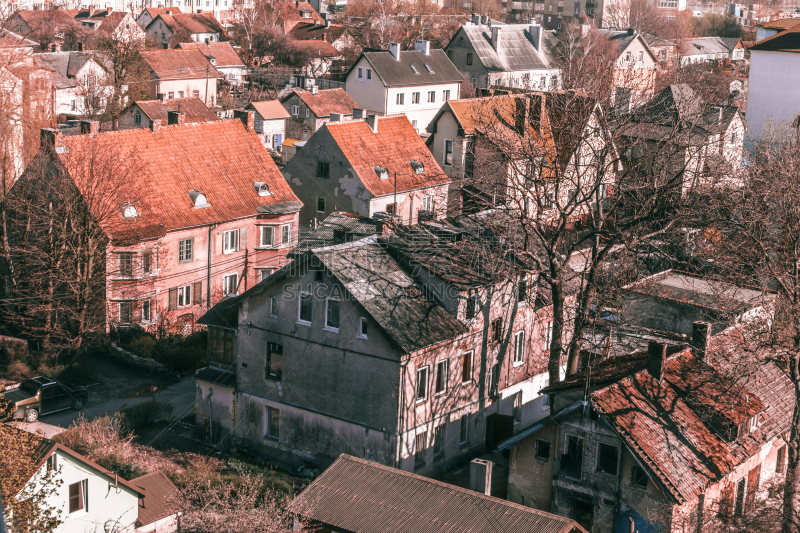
(498, 428)
(582, 513)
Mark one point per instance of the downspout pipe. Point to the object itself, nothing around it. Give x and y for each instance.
(208, 270)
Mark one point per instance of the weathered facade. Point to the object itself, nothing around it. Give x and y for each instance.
(309, 110)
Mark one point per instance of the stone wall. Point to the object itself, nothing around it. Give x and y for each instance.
(148, 365)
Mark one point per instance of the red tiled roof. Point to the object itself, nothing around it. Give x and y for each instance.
(193, 108)
(156, 171)
(223, 52)
(364, 497)
(156, 505)
(56, 20)
(326, 101)
(289, 13)
(192, 22)
(270, 109)
(317, 48)
(393, 147)
(179, 64)
(782, 24)
(156, 11)
(108, 22)
(785, 41)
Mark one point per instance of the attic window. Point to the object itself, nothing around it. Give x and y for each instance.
(429, 68)
(418, 167)
(199, 199)
(262, 188)
(381, 172)
(129, 211)
(414, 69)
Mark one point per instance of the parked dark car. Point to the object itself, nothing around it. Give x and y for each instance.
(42, 396)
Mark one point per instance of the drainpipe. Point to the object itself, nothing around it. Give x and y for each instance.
(208, 271)
(401, 419)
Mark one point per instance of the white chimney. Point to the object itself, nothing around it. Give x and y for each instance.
(536, 35)
(314, 89)
(496, 38)
(423, 46)
(476, 19)
(394, 49)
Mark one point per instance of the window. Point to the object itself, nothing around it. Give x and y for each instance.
(273, 306)
(185, 250)
(196, 94)
(602, 191)
(548, 335)
(360, 73)
(274, 367)
(496, 331)
(780, 461)
(286, 233)
(466, 367)
(323, 169)
(400, 99)
(494, 378)
(519, 347)
(332, 314)
(549, 200)
(427, 203)
(307, 112)
(448, 152)
(546, 402)
(414, 69)
(295, 110)
(641, 56)
(77, 496)
(362, 328)
(518, 407)
(442, 374)
(472, 306)
(628, 57)
(414, 98)
(273, 423)
(230, 284)
(125, 312)
(414, 123)
(180, 94)
(422, 384)
(267, 235)
(638, 477)
(572, 459)
(431, 96)
(125, 264)
(446, 95)
(741, 489)
(438, 441)
(146, 316)
(184, 296)
(390, 209)
(542, 450)
(733, 137)
(137, 118)
(304, 309)
(522, 291)
(264, 273)
(147, 262)
(607, 459)
(170, 95)
(220, 344)
(320, 204)
(231, 241)
(469, 58)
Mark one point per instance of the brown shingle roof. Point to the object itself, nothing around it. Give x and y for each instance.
(269, 109)
(316, 32)
(326, 101)
(393, 147)
(219, 159)
(223, 52)
(179, 64)
(364, 497)
(317, 48)
(193, 108)
(156, 505)
(192, 22)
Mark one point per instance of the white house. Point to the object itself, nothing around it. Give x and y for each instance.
(774, 79)
(270, 122)
(414, 82)
(703, 49)
(81, 83)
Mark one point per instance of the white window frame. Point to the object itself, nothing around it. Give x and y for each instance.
(427, 371)
(332, 329)
(185, 296)
(230, 241)
(227, 285)
(321, 198)
(287, 240)
(369, 74)
(295, 110)
(261, 233)
(428, 203)
(546, 402)
(300, 307)
(188, 251)
(262, 272)
(148, 305)
(517, 407)
(400, 99)
(362, 321)
(414, 98)
(471, 366)
(444, 363)
(519, 348)
(431, 97)
(359, 73)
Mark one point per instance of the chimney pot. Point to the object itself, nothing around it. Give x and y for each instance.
(656, 359)
(700, 334)
(372, 121)
(423, 46)
(176, 117)
(155, 125)
(246, 116)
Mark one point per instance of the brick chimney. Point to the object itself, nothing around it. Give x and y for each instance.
(656, 359)
(155, 125)
(700, 333)
(91, 11)
(247, 117)
(176, 117)
(92, 127)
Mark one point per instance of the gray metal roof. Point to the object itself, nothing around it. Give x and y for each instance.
(360, 496)
(65, 65)
(337, 228)
(515, 51)
(398, 73)
(708, 45)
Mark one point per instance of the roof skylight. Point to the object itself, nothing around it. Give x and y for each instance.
(414, 69)
(429, 68)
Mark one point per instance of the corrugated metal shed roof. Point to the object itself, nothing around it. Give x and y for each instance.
(364, 497)
(515, 51)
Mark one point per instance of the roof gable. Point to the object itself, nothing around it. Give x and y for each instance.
(223, 52)
(785, 41)
(398, 73)
(269, 109)
(516, 50)
(325, 102)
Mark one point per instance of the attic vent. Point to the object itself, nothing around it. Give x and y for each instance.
(212, 60)
(181, 69)
(429, 68)
(199, 199)
(414, 69)
(418, 167)
(381, 172)
(262, 188)
(129, 211)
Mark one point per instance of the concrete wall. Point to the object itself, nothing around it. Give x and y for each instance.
(772, 92)
(369, 94)
(529, 478)
(668, 315)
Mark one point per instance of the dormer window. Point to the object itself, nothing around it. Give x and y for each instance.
(129, 211)
(212, 60)
(381, 172)
(262, 188)
(429, 68)
(418, 167)
(414, 69)
(198, 199)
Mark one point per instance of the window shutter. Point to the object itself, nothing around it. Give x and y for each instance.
(173, 299)
(218, 249)
(242, 239)
(197, 292)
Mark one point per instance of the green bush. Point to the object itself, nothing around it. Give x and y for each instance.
(145, 415)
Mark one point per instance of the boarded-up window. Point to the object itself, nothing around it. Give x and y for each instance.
(220, 344)
(753, 478)
(274, 368)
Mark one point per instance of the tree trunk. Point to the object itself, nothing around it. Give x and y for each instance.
(791, 489)
(557, 290)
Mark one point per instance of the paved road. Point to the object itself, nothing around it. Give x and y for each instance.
(180, 394)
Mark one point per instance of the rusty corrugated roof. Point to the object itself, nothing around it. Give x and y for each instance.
(360, 496)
